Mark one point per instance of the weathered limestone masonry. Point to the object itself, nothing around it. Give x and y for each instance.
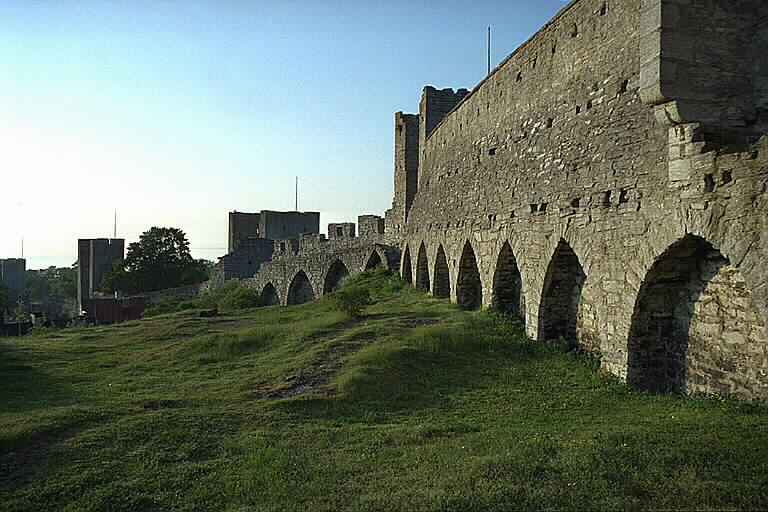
(606, 182)
(315, 266)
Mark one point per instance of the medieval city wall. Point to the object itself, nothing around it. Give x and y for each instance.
(606, 182)
(557, 173)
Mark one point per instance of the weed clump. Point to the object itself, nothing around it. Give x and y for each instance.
(351, 300)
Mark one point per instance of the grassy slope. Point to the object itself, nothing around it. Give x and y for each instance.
(177, 413)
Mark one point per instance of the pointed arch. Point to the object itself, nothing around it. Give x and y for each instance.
(441, 286)
(269, 295)
(374, 260)
(337, 272)
(695, 327)
(469, 288)
(405, 268)
(561, 295)
(300, 290)
(508, 284)
(422, 269)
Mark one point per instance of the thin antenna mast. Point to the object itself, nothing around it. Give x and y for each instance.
(296, 206)
(489, 49)
(114, 231)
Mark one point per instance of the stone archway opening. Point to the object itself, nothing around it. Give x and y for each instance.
(374, 261)
(441, 287)
(508, 284)
(695, 327)
(469, 288)
(559, 308)
(405, 269)
(422, 269)
(269, 295)
(300, 290)
(337, 272)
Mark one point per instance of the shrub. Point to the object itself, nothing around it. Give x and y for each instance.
(166, 304)
(240, 298)
(230, 296)
(351, 300)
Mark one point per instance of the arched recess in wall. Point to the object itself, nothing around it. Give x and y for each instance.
(374, 261)
(300, 290)
(269, 296)
(558, 311)
(508, 284)
(441, 286)
(469, 288)
(337, 272)
(405, 268)
(695, 327)
(422, 269)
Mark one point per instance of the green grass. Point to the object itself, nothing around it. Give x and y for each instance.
(414, 406)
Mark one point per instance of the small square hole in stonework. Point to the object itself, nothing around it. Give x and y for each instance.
(607, 198)
(519, 77)
(589, 104)
(543, 207)
(576, 202)
(492, 151)
(554, 50)
(578, 109)
(534, 208)
(623, 86)
(603, 10)
(623, 196)
(727, 177)
(512, 214)
(549, 122)
(575, 31)
(709, 183)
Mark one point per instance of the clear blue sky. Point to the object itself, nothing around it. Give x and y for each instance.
(176, 112)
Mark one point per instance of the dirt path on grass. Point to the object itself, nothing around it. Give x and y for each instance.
(316, 379)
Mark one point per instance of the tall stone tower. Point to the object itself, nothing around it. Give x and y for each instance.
(94, 260)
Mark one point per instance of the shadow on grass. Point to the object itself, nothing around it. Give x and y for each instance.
(23, 386)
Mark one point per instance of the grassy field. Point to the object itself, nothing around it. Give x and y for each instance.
(414, 406)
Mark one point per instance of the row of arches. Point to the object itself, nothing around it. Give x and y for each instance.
(690, 299)
(507, 295)
(300, 288)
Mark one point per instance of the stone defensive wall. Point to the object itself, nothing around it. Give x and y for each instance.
(607, 182)
(309, 268)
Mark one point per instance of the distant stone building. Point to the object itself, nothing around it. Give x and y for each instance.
(242, 226)
(12, 273)
(94, 259)
(270, 225)
(251, 237)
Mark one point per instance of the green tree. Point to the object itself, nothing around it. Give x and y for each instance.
(159, 260)
(65, 282)
(38, 284)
